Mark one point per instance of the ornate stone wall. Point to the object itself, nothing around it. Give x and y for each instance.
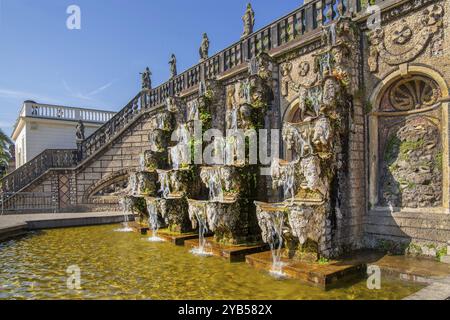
(406, 76)
(389, 165)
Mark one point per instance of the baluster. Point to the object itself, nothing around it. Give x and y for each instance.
(282, 29)
(290, 28)
(309, 18)
(252, 46)
(232, 58)
(274, 30)
(319, 12)
(258, 44)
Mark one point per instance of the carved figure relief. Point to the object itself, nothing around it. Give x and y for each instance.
(286, 78)
(405, 42)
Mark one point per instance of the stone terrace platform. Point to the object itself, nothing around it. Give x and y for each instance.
(16, 225)
(426, 271)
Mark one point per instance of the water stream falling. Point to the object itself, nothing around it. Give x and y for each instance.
(153, 221)
(202, 249)
(133, 185)
(289, 182)
(125, 205)
(276, 244)
(180, 154)
(234, 119)
(163, 178)
(215, 184)
(142, 163)
(194, 114)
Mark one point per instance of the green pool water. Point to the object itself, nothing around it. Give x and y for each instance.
(125, 266)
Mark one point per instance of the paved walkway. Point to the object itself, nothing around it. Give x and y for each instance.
(438, 290)
(15, 225)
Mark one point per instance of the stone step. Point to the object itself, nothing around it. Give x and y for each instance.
(231, 253)
(176, 239)
(322, 276)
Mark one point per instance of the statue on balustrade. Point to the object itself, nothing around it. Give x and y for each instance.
(80, 130)
(173, 66)
(249, 21)
(204, 48)
(146, 79)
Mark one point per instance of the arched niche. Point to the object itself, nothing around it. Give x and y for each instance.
(408, 142)
(291, 115)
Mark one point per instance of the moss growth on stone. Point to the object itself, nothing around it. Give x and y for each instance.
(441, 253)
(391, 147)
(407, 146)
(438, 161)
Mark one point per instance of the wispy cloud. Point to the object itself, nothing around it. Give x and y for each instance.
(89, 96)
(24, 95)
(100, 89)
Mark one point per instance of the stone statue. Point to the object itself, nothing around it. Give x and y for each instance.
(146, 79)
(80, 130)
(204, 48)
(173, 66)
(249, 21)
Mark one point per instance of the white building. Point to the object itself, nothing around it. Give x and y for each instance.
(42, 126)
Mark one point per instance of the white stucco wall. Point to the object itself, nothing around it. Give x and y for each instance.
(39, 134)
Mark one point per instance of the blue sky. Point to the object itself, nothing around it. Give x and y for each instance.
(98, 66)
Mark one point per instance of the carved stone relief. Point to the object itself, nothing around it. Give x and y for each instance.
(404, 40)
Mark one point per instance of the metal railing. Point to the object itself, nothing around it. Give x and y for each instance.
(27, 202)
(33, 169)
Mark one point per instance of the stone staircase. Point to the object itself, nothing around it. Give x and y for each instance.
(303, 23)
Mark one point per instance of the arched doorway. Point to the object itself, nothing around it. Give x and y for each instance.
(408, 147)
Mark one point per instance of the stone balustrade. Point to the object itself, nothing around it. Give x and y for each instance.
(307, 19)
(36, 110)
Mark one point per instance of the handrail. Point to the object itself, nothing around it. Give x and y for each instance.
(106, 132)
(48, 159)
(308, 18)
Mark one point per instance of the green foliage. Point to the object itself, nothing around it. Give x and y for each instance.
(368, 107)
(323, 261)
(206, 119)
(140, 206)
(5, 156)
(441, 253)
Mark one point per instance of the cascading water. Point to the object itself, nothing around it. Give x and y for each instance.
(289, 182)
(276, 244)
(180, 154)
(153, 221)
(164, 181)
(133, 185)
(234, 119)
(141, 163)
(125, 205)
(201, 250)
(194, 113)
(215, 184)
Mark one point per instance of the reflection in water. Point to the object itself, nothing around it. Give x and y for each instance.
(127, 266)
